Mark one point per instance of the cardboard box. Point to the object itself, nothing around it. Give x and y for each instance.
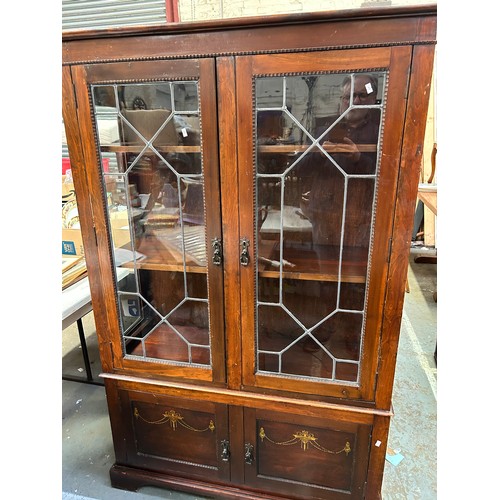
(120, 229)
(66, 165)
(67, 187)
(121, 238)
(72, 243)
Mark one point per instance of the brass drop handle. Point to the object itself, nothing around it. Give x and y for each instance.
(217, 253)
(248, 453)
(225, 450)
(245, 254)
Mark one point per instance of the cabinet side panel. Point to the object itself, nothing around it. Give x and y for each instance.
(73, 138)
(387, 185)
(411, 158)
(378, 447)
(115, 417)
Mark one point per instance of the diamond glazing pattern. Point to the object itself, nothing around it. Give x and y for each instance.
(317, 142)
(149, 138)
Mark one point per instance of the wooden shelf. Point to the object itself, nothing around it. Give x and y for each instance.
(320, 263)
(150, 265)
(323, 276)
(118, 148)
(164, 344)
(300, 148)
(158, 257)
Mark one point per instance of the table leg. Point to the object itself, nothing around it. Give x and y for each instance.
(85, 352)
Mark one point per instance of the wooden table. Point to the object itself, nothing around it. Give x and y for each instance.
(76, 303)
(428, 197)
(427, 193)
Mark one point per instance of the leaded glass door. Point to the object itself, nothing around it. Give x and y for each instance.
(322, 188)
(154, 125)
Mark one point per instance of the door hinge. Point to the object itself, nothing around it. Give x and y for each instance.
(74, 94)
(389, 250)
(112, 352)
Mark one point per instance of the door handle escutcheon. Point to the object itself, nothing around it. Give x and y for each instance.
(248, 453)
(245, 254)
(217, 253)
(225, 450)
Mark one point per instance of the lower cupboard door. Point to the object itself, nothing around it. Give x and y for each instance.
(177, 436)
(304, 457)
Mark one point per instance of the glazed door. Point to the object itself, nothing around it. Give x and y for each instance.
(322, 142)
(154, 181)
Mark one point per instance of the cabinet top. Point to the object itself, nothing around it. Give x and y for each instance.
(377, 26)
(253, 22)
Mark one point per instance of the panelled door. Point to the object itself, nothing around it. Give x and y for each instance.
(315, 250)
(154, 181)
(304, 457)
(176, 435)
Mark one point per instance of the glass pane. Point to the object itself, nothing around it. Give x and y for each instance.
(316, 168)
(149, 139)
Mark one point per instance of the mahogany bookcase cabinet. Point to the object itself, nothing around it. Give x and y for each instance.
(256, 179)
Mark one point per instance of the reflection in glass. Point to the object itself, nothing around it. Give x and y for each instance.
(149, 138)
(316, 168)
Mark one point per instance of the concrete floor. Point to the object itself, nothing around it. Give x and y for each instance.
(87, 449)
